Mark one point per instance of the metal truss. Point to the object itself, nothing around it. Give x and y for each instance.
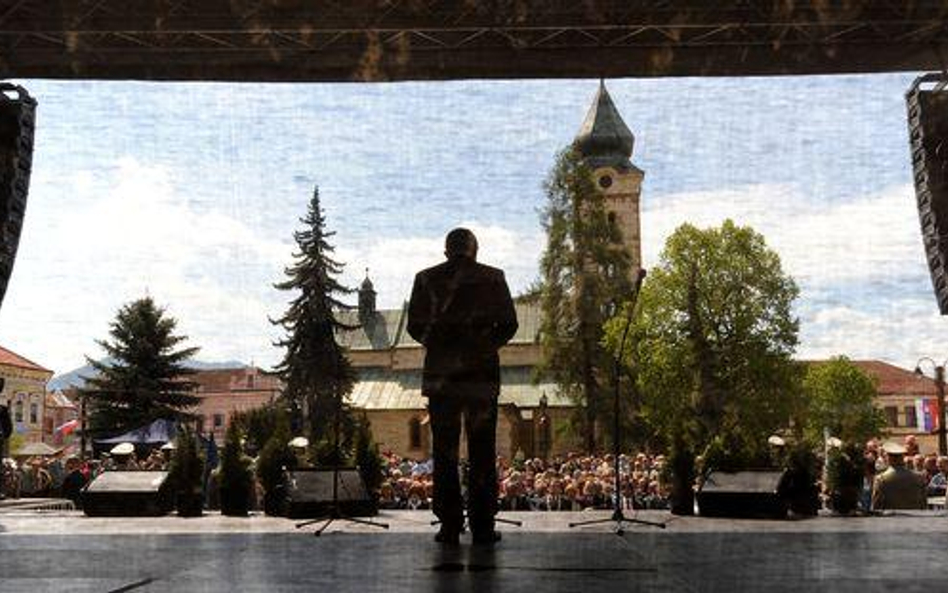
(332, 40)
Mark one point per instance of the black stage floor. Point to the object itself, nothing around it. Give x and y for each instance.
(898, 553)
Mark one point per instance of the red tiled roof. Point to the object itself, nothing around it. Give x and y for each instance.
(225, 380)
(58, 399)
(893, 380)
(11, 358)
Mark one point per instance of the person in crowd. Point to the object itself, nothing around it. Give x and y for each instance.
(74, 481)
(938, 484)
(6, 430)
(898, 487)
(868, 479)
(911, 446)
(123, 457)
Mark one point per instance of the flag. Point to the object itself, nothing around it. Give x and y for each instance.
(928, 418)
(68, 427)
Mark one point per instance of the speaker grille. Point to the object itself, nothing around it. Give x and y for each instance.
(17, 119)
(927, 103)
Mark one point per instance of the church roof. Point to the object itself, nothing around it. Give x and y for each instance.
(367, 283)
(386, 328)
(604, 139)
(379, 332)
(384, 389)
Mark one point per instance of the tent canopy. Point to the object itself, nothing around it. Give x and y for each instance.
(35, 449)
(158, 432)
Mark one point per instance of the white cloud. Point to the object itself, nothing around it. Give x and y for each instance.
(394, 262)
(872, 237)
(129, 229)
(140, 234)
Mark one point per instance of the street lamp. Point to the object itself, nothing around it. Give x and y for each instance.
(940, 388)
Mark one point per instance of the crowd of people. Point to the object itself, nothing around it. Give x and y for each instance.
(930, 470)
(62, 476)
(568, 482)
(563, 483)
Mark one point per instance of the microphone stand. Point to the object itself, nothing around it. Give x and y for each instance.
(617, 515)
(335, 511)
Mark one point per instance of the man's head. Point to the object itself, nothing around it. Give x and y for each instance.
(460, 242)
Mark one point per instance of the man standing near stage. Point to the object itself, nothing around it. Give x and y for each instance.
(6, 429)
(461, 311)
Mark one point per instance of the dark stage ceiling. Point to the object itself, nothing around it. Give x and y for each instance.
(321, 40)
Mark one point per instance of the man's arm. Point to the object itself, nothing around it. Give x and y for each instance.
(506, 324)
(419, 311)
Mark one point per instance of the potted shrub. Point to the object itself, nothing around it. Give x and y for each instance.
(275, 457)
(368, 461)
(682, 467)
(186, 474)
(234, 478)
(799, 483)
(844, 475)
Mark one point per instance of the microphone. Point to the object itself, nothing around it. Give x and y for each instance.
(639, 278)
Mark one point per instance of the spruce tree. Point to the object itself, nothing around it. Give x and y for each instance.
(143, 378)
(316, 374)
(585, 277)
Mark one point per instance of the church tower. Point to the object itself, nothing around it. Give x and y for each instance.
(605, 144)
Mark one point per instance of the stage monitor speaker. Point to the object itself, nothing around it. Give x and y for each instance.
(927, 102)
(128, 494)
(742, 495)
(309, 494)
(17, 119)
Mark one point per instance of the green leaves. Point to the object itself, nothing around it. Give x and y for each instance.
(839, 397)
(586, 272)
(713, 339)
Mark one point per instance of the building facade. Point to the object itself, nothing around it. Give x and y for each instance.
(905, 399)
(224, 392)
(59, 410)
(532, 419)
(24, 392)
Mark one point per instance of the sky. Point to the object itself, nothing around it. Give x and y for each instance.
(190, 193)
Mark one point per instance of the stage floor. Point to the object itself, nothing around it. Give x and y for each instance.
(66, 551)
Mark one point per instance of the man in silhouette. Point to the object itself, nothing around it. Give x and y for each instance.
(461, 311)
(6, 429)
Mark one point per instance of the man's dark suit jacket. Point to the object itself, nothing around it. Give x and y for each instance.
(6, 426)
(461, 311)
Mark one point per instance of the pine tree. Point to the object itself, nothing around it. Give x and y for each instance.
(586, 276)
(143, 378)
(315, 371)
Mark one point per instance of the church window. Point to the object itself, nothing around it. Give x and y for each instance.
(18, 412)
(34, 413)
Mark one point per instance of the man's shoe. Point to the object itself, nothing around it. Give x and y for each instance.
(451, 537)
(486, 537)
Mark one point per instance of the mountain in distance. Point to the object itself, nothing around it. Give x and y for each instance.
(77, 377)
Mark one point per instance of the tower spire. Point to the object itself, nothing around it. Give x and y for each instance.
(604, 139)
